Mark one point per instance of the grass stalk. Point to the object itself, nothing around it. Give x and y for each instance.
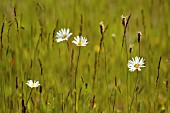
(115, 95)
(159, 65)
(15, 17)
(23, 105)
(71, 70)
(127, 75)
(95, 71)
(102, 31)
(125, 28)
(75, 81)
(1, 46)
(105, 73)
(139, 40)
(62, 103)
(125, 25)
(143, 23)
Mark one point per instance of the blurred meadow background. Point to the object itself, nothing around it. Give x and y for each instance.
(29, 51)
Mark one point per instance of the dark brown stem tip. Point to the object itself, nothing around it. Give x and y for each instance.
(159, 62)
(131, 48)
(101, 27)
(139, 36)
(40, 89)
(16, 82)
(115, 81)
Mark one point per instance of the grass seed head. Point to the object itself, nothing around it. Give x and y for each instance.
(101, 27)
(124, 20)
(131, 48)
(139, 36)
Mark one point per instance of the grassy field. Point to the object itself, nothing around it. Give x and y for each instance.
(90, 79)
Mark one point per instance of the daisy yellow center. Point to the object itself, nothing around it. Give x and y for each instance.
(64, 36)
(136, 65)
(80, 43)
(32, 85)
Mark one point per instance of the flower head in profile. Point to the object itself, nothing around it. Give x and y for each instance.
(124, 20)
(63, 34)
(135, 64)
(32, 84)
(131, 48)
(80, 41)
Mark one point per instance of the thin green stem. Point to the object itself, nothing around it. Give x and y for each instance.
(106, 77)
(75, 93)
(114, 102)
(29, 97)
(136, 90)
(134, 94)
(139, 49)
(127, 82)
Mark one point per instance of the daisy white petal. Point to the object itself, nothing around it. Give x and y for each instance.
(32, 84)
(136, 64)
(80, 41)
(63, 34)
(59, 40)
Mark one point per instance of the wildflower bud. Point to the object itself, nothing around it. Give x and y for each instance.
(16, 82)
(113, 35)
(40, 89)
(130, 48)
(124, 21)
(101, 27)
(139, 36)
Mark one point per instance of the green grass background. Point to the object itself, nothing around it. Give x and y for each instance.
(23, 47)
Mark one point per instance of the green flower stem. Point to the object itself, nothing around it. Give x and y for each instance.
(75, 93)
(29, 97)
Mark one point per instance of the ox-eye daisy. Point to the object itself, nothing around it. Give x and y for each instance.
(32, 84)
(63, 34)
(80, 41)
(136, 64)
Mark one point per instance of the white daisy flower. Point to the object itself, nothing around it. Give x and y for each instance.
(32, 84)
(136, 63)
(80, 41)
(63, 34)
